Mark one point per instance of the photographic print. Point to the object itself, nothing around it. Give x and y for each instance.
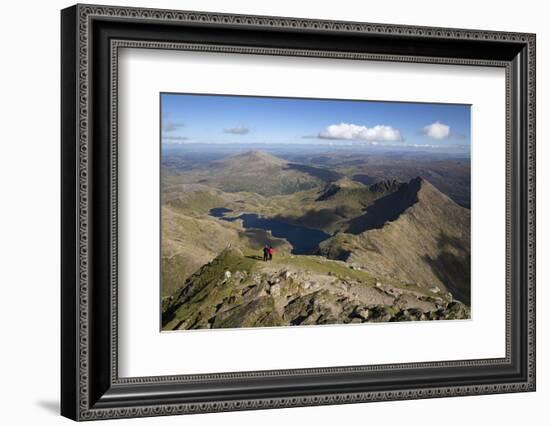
(296, 211)
(318, 195)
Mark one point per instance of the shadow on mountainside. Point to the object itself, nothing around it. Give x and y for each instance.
(365, 179)
(316, 219)
(452, 267)
(317, 172)
(386, 209)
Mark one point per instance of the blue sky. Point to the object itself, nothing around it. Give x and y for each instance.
(240, 119)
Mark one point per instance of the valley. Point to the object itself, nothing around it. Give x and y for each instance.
(358, 236)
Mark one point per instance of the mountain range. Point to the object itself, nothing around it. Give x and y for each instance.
(389, 250)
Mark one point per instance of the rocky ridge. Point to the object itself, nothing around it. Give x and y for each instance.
(422, 237)
(236, 291)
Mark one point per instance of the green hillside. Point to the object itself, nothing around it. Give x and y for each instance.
(393, 250)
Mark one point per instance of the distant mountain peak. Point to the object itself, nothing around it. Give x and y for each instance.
(262, 173)
(346, 182)
(426, 192)
(386, 185)
(342, 184)
(390, 207)
(256, 156)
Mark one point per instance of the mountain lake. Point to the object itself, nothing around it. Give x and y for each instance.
(303, 240)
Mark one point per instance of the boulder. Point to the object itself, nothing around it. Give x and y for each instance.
(360, 312)
(379, 314)
(275, 290)
(285, 274)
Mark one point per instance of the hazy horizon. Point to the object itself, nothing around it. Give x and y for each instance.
(280, 149)
(191, 119)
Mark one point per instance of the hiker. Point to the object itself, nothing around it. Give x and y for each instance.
(266, 253)
(270, 251)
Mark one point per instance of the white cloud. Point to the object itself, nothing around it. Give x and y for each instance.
(174, 139)
(347, 131)
(437, 130)
(168, 124)
(239, 130)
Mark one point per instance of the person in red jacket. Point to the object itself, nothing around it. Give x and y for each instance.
(270, 251)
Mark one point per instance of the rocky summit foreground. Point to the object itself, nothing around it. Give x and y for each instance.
(236, 291)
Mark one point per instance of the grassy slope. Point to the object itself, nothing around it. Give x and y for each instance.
(187, 244)
(428, 244)
(203, 293)
(191, 238)
(236, 291)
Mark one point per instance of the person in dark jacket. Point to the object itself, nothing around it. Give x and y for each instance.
(266, 253)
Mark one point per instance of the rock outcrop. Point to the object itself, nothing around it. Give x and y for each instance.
(234, 291)
(416, 234)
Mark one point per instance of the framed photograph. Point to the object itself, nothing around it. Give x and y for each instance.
(263, 212)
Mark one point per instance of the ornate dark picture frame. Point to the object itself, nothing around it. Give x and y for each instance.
(90, 385)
